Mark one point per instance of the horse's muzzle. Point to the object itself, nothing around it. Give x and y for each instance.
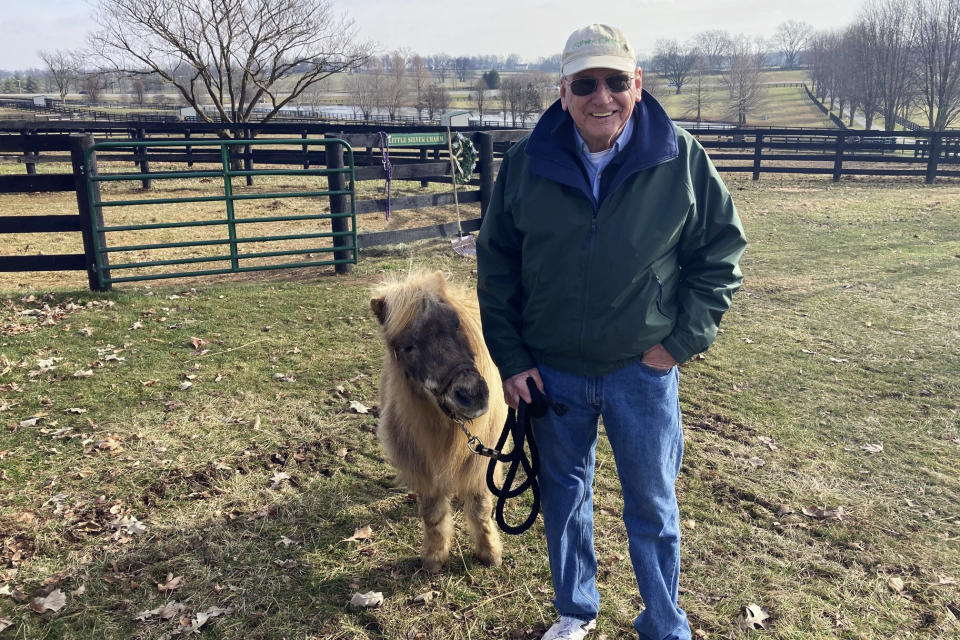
(467, 395)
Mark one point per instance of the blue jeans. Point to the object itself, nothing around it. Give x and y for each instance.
(641, 415)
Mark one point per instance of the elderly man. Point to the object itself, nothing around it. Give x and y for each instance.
(607, 256)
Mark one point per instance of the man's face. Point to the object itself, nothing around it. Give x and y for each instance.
(600, 116)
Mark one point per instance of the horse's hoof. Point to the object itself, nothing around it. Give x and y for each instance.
(490, 559)
(432, 566)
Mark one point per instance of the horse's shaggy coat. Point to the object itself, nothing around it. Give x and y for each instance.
(436, 367)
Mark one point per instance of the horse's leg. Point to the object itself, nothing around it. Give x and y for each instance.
(486, 539)
(437, 530)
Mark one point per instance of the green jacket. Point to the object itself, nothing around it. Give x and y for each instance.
(586, 286)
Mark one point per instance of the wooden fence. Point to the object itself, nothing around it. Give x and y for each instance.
(828, 152)
(77, 221)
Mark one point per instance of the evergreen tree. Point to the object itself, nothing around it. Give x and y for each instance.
(492, 78)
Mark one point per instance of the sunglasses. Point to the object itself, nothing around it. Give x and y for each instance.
(586, 86)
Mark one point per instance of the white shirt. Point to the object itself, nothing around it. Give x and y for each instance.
(595, 163)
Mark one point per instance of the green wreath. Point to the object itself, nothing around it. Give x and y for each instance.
(465, 157)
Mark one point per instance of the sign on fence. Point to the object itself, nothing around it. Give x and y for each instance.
(417, 139)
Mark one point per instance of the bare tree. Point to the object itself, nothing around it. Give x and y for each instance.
(675, 61)
(742, 78)
(395, 85)
(714, 45)
(698, 97)
(511, 97)
(437, 100)
(63, 66)
(420, 75)
(479, 94)
(93, 83)
(462, 66)
(885, 30)
(238, 50)
(139, 89)
(367, 88)
(791, 39)
(937, 47)
(654, 84)
(862, 67)
(442, 64)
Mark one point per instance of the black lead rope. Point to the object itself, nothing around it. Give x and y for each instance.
(519, 426)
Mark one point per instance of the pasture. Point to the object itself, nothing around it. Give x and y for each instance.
(201, 456)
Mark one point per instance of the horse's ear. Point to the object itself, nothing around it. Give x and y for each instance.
(379, 307)
(441, 280)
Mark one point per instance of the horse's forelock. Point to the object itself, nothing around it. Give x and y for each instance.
(405, 300)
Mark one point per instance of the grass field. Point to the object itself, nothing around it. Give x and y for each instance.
(186, 454)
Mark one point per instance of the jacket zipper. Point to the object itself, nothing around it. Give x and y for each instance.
(591, 244)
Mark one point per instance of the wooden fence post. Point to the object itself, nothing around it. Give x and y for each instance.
(146, 183)
(248, 155)
(30, 135)
(339, 203)
(838, 158)
(757, 154)
(88, 195)
(485, 150)
(423, 158)
(936, 141)
(306, 151)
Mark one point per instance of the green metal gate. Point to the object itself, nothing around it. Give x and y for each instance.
(231, 242)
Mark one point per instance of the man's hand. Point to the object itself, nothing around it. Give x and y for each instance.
(515, 387)
(658, 358)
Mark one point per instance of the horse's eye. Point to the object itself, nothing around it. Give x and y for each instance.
(408, 348)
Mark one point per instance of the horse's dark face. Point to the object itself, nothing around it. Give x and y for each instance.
(436, 357)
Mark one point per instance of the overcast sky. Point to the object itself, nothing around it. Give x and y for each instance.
(530, 28)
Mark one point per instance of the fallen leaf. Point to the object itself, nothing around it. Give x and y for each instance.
(359, 407)
(129, 525)
(286, 564)
(31, 422)
(53, 602)
(5, 623)
(873, 448)
(896, 584)
(171, 583)
(278, 478)
(83, 373)
(821, 513)
(86, 331)
(363, 533)
(185, 385)
(165, 612)
(368, 599)
(75, 410)
(426, 597)
(189, 626)
(752, 618)
(136, 325)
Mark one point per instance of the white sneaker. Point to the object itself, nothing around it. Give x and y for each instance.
(569, 628)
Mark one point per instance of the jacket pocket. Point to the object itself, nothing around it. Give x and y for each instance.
(667, 276)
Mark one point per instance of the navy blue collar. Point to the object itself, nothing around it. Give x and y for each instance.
(553, 154)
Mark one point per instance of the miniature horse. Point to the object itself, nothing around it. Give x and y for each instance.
(436, 372)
